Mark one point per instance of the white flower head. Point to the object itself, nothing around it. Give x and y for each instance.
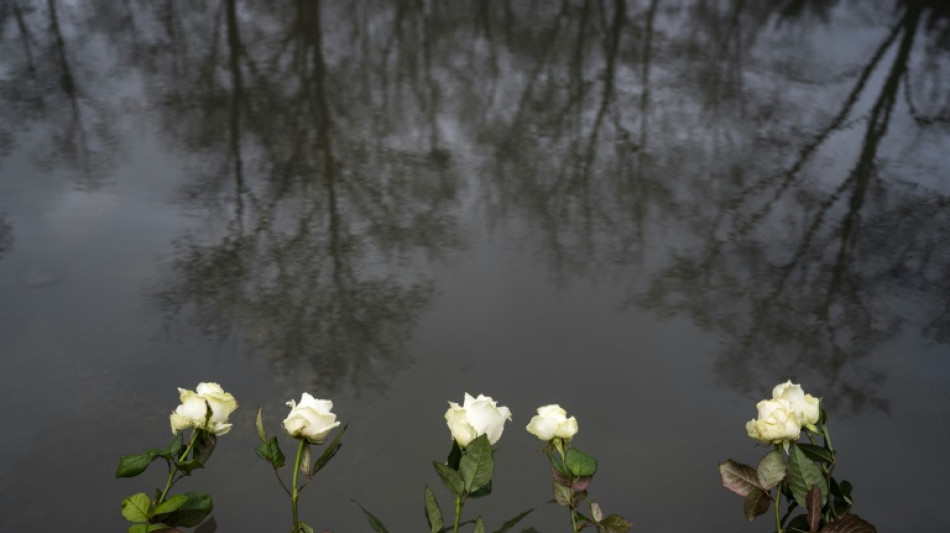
(777, 423)
(195, 407)
(311, 419)
(476, 416)
(552, 422)
(806, 407)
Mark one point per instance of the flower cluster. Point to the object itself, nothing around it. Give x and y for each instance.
(207, 408)
(781, 419)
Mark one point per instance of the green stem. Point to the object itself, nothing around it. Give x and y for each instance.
(827, 470)
(560, 445)
(778, 503)
(458, 512)
(296, 493)
(175, 470)
(824, 432)
(573, 512)
(778, 499)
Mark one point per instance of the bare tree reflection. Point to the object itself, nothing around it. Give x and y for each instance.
(49, 87)
(827, 302)
(572, 158)
(319, 221)
(794, 269)
(329, 145)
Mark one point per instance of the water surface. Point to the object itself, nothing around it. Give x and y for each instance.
(648, 211)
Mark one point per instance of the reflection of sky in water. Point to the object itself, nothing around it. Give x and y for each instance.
(487, 224)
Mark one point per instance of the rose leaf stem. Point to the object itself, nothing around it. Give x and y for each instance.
(173, 471)
(296, 493)
(281, 481)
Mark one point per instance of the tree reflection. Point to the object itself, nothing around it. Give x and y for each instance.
(796, 268)
(319, 216)
(784, 199)
(6, 235)
(47, 86)
(809, 290)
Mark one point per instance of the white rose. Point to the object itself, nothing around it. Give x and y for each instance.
(552, 421)
(806, 406)
(193, 410)
(476, 416)
(310, 419)
(777, 422)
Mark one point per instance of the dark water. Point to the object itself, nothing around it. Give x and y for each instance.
(650, 212)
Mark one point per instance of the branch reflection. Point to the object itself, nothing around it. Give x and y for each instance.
(798, 268)
(322, 220)
(48, 84)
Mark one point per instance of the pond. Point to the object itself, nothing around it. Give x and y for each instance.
(647, 211)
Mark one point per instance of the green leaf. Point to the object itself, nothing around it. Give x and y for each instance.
(849, 523)
(433, 513)
(303, 527)
(189, 465)
(175, 447)
(200, 452)
(137, 508)
(579, 496)
(479, 525)
(579, 463)
(329, 452)
(756, 503)
(841, 490)
(204, 446)
(374, 522)
(582, 482)
(817, 453)
(799, 524)
(562, 494)
(133, 465)
(771, 470)
(739, 478)
(259, 424)
(803, 475)
(842, 493)
(596, 513)
(557, 466)
(616, 524)
(195, 507)
(482, 492)
(477, 465)
(171, 504)
(270, 452)
(512, 522)
(451, 478)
